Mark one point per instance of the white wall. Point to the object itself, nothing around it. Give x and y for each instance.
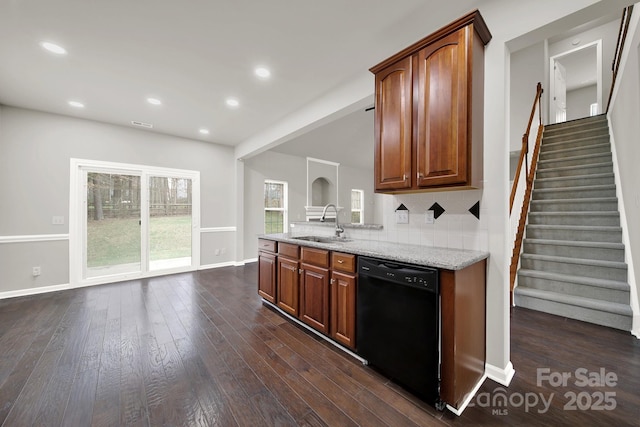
(608, 33)
(579, 102)
(35, 152)
(625, 128)
(293, 170)
(527, 68)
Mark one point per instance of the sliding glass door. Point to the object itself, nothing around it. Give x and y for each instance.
(113, 238)
(170, 222)
(131, 221)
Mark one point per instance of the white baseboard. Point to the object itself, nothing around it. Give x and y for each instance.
(467, 400)
(219, 265)
(502, 376)
(250, 260)
(635, 326)
(34, 291)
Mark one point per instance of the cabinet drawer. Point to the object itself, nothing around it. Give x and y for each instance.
(267, 245)
(314, 256)
(343, 262)
(288, 250)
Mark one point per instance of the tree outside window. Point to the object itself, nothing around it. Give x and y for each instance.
(357, 203)
(275, 207)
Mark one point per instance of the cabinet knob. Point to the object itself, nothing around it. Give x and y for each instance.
(420, 175)
(340, 261)
(300, 271)
(332, 281)
(404, 177)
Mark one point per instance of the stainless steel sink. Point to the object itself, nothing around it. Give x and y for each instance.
(322, 239)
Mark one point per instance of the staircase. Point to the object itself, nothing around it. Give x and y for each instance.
(572, 263)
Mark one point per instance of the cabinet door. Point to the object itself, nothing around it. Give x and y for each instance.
(393, 126)
(343, 308)
(442, 156)
(314, 297)
(267, 276)
(288, 285)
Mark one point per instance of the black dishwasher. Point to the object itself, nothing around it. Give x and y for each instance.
(398, 324)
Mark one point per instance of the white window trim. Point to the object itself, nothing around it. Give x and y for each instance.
(285, 203)
(76, 218)
(361, 210)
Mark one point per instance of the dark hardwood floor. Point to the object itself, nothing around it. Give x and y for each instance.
(201, 349)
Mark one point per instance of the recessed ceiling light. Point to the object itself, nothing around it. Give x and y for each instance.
(54, 48)
(76, 104)
(154, 101)
(232, 102)
(262, 72)
(204, 131)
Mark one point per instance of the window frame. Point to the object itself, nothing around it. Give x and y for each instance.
(361, 210)
(284, 209)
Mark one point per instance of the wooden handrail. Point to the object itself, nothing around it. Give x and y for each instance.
(622, 37)
(530, 175)
(525, 144)
(515, 257)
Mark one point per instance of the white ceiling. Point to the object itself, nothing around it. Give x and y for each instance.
(194, 54)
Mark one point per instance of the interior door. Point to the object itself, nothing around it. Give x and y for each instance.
(560, 92)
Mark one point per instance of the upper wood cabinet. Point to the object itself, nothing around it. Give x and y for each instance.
(429, 111)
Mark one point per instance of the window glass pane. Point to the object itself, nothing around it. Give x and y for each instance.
(355, 217)
(273, 195)
(356, 202)
(273, 221)
(170, 222)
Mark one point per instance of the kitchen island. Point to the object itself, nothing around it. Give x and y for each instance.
(313, 280)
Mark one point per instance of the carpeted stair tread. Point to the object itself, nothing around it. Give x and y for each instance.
(586, 281)
(606, 306)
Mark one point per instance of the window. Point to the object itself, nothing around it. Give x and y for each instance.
(275, 207)
(357, 201)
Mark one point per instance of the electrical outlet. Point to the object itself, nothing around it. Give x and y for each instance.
(57, 220)
(36, 271)
(402, 217)
(217, 252)
(429, 217)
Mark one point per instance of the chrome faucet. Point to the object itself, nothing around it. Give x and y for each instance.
(324, 213)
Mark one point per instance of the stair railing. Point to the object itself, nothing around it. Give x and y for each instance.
(525, 189)
(622, 37)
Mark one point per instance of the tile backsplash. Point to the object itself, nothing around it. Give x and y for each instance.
(456, 228)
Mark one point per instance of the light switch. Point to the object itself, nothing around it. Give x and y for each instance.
(402, 217)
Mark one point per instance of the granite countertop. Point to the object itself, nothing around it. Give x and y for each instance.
(448, 259)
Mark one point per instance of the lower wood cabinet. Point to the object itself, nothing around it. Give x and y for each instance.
(314, 297)
(267, 276)
(288, 285)
(343, 308)
(267, 266)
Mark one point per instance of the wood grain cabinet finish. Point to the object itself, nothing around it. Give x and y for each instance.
(314, 297)
(343, 298)
(343, 308)
(288, 279)
(429, 111)
(463, 340)
(267, 267)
